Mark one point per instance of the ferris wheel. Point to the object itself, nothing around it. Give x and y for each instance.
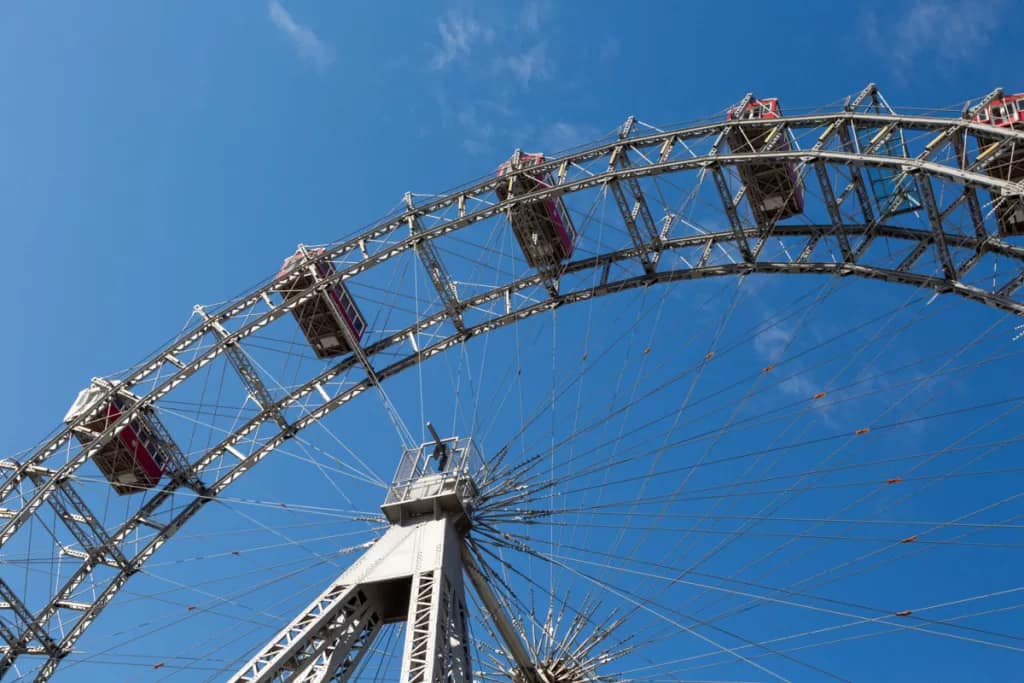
(737, 478)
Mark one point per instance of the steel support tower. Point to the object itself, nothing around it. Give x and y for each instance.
(412, 574)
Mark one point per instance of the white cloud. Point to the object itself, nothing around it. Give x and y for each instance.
(770, 343)
(950, 31)
(532, 15)
(459, 34)
(562, 135)
(525, 66)
(305, 41)
(800, 386)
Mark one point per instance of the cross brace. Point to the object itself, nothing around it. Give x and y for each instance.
(413, 574)
(833, 212)
(32, 628)
(89, 533)
(439, 277)
(730, 211)
(639, 210)
(857, 182)
(935, 219)
(247, 373)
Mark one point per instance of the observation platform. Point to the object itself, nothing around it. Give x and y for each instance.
(435, 480)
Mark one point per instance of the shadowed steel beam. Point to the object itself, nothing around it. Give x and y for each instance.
(833, 212)
(930, 205)
(509, 634)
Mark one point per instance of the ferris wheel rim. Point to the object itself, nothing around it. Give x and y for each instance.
(802, 156)
(389, 226)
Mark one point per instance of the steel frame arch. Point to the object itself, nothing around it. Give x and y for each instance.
(47, 480)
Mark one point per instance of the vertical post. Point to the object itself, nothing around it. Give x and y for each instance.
(329, 638)
(436, 640)
(412, 574)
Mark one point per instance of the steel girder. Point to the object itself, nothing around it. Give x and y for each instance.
(420, 562)
(167, 369)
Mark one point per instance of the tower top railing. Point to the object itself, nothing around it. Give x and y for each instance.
(438, 477)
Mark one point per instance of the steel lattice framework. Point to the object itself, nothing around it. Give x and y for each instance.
(843, 233)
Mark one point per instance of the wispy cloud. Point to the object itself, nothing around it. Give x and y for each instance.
(532, 16)
(460, 33)
(310, 48)
(771, 343)
(949, 31)
(562, 135)
(477, 132)
(525, 66)
(609, 50)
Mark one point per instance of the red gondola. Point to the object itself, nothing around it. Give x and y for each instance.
(542, 227)
(1008, 164)
(326, 317)
(1004, 113)
(136, 458)
(773, 187)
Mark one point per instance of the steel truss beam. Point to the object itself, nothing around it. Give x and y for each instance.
(439, 277)
(90, 534)
(857, 182)
(188, 340)
(729, 205)
(239, 360)
(650, 237)
(171, 367)
(17, 645)
(413, 574)
(738, 232)
(935, 219)
(833, 212)
(703, 242)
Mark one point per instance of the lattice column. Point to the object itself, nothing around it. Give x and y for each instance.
(436, 646)
(414, 574)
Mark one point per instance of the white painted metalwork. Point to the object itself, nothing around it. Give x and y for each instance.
(923, 152)
(413, 573)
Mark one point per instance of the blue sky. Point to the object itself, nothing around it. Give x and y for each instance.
(161, 155)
